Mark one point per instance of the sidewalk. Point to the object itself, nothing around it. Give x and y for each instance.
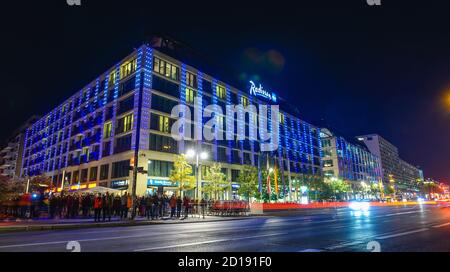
(55, 224)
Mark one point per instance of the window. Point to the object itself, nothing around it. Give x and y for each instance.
(163, 144)
(120, 169)
(93, 174)
(159, 168)
(221, 92)
(234, 174)
(164, 124)
(104, 171)
(244, 101)
(84, 175)
(107, 129)
(281, 118)
(190, 95)
(166, 69)
(112, 78)
(128, 68)
(123, 144)
(125, 124)
(76, 177)
(191, 80)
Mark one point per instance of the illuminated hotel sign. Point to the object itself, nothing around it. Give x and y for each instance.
(259, 91)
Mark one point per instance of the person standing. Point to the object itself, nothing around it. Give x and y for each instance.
(186, 206)
(97, 208)
(179, 204)
(173, 206)
(203, 207)
(123, 205)
(106, 206)
(155, 208)
(148, 207)
(129, 205)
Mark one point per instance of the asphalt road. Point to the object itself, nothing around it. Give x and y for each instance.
(412, 228)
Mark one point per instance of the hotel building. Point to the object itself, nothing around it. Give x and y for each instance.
(91, 138)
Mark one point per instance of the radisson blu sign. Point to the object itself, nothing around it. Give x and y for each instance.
(259, 91)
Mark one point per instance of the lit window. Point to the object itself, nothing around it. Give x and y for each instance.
(166, 69)
(190, 95)
(164, 124)
(221, 92)
(191, 80)
(107, 129)
(281, 118)
(128, 68)
(244, 101)
(127, 123)
(112, 78)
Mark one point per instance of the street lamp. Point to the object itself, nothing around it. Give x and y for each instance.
(191, 153)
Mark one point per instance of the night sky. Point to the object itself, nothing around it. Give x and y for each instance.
(359, 68)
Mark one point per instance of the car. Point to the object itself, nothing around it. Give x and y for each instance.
(443, 203)
(359, 205)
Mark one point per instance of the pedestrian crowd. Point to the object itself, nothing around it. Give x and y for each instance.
(105, 206)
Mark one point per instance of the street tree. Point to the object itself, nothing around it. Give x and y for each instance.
(248, 181)
(181, 174)
(216, 181)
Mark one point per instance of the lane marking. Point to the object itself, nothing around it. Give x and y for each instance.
(401, 234)
(441, 225)
(311, 250)
(207, 242)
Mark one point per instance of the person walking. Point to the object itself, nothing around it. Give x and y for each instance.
(173, 206)
(97, 208)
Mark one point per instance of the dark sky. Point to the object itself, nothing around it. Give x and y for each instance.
(362, 69)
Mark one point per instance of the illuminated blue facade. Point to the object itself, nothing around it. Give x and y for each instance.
(91, 137)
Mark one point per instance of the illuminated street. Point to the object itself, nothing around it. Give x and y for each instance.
(398, 228)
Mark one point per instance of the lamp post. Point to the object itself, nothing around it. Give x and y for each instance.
(191, 153)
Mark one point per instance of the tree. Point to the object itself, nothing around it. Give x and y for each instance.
(217, 182)
(248, 181)
(10, 188)
(182, 174)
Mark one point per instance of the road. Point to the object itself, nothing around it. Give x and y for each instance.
(399, 228)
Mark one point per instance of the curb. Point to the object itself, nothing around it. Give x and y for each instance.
(105, 225)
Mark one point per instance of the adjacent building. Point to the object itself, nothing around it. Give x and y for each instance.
(91, 138)
(395, 171)
(349, 161)
(11, 154)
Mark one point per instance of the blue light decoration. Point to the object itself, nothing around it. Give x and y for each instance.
(251, 134)
(137, 101)
(72, 106)
(214, 102)
(296, 146)
(97, 88)
(115, 104)
(183, 112)
(228, 122)
(200, 96)
(22, 170)
(104, 102)
(146, 97)
(311, 148)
